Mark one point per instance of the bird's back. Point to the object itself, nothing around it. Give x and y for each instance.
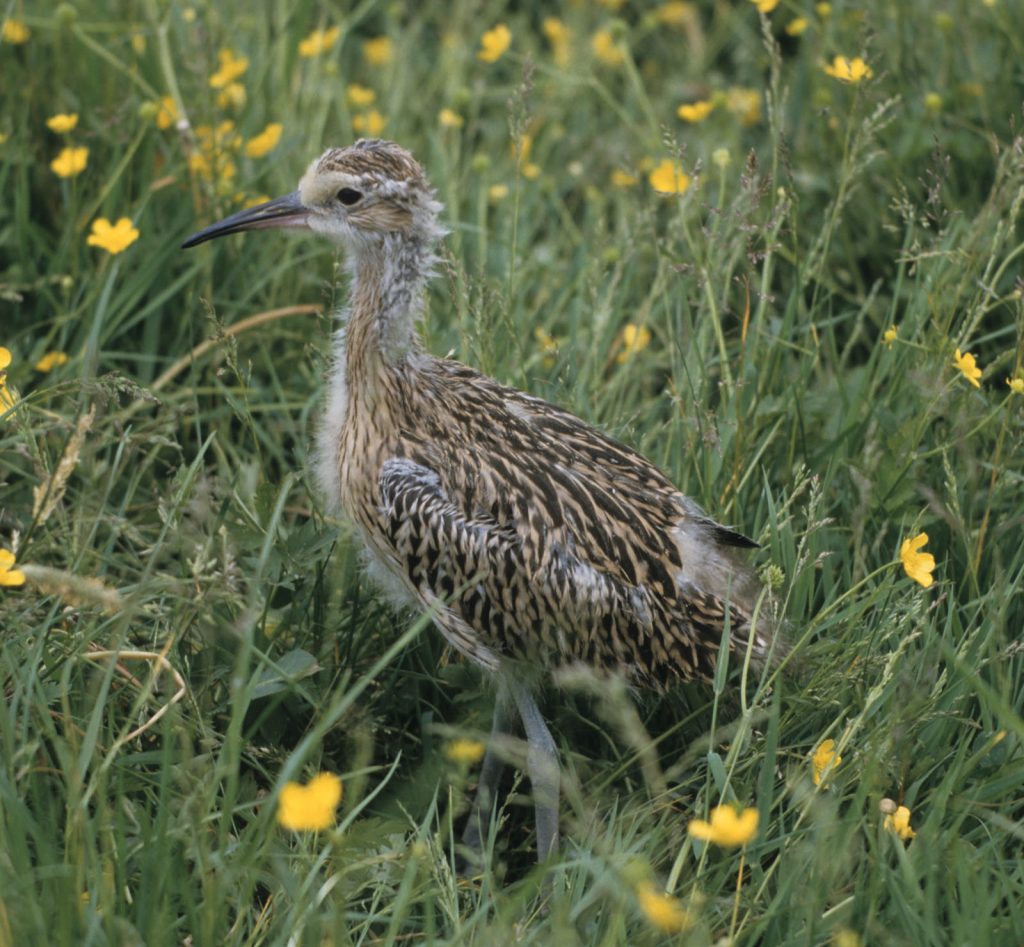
(536, 536)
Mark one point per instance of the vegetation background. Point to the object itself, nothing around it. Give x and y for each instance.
(717, 288)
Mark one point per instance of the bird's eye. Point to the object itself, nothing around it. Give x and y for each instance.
(349, 196)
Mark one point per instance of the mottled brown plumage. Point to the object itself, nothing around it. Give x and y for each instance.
(537, 540)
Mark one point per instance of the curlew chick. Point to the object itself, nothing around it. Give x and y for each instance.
(536, 540)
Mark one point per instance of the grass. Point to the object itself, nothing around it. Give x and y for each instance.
(155, 487)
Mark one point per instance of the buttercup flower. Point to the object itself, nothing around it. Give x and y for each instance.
(825, 758)
(745, 104)
(494, 43)
(662, 910)
(727, 827)
(634, 339)
(70, 162)
(668, 178)
(371, 123)
(497, 192)
(319, 42)
(50, 361)
(231, 96)
(676, 13)
(447, 118)
(695, 111)
(606, 49)
(1016, 385)
(166, 113)
(918, 565)
(63, 123)
(889, 336)
(559, 36)
(7, 397)
(796, 26)
(379, 51)
(112, 237)
(765, 6)
(15, 32)
(360, 96)
(899, 822)
(623, 178)
(231, 67)
(466, 752)
(9, 576)
(848, 70)
(311, 807)
(968, 367)
(266, 141)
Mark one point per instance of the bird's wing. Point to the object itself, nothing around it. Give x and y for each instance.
(492, 600)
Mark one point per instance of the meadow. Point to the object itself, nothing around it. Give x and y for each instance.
(776, 247)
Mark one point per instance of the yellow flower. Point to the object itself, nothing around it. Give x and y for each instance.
(371, 123)
(15, 32)
(497, 192)
(765, 6)
(166, 113)
(889, 336)
(379, 51)
(606, 49)
(465, 752)
(9, 577)
(548, 345)
(797, 26)
(51, 360)
(633, 339)
(695, 111)
(727, 827)
(231, 96)
(450, 119)
(844, 937)
(623, 178)
(933, 102)
(824, 10)
(310, 807)
(112, 237)
(825, 758)
(968, 367)
(8, 399)
(266, 141)
(675, 13)
(848, 70)
(1016, 385)
(662, 910)
(559, 36)
(899, 822)
(359, 95)
(319, 42)
(494, 43)
(918, 565)
(3, 138)
(668, 178)
(62, 123)
(231, 67)
(744, 103)
(70, 162)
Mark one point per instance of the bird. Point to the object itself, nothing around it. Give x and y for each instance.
(534, 540)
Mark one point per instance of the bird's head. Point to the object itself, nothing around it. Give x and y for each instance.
(357, 196)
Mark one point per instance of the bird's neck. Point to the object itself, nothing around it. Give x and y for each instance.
(386, 299)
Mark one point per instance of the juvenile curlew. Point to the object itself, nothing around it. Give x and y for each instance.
(536, 540)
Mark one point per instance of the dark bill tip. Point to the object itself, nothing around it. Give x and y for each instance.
(286, 211)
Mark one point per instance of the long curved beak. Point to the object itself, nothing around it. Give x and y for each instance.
(287, 212)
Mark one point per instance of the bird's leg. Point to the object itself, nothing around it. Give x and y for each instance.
(475, 833)
(542, 763)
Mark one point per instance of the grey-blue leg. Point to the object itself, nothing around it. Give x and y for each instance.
(490, 773)
(542, 764)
